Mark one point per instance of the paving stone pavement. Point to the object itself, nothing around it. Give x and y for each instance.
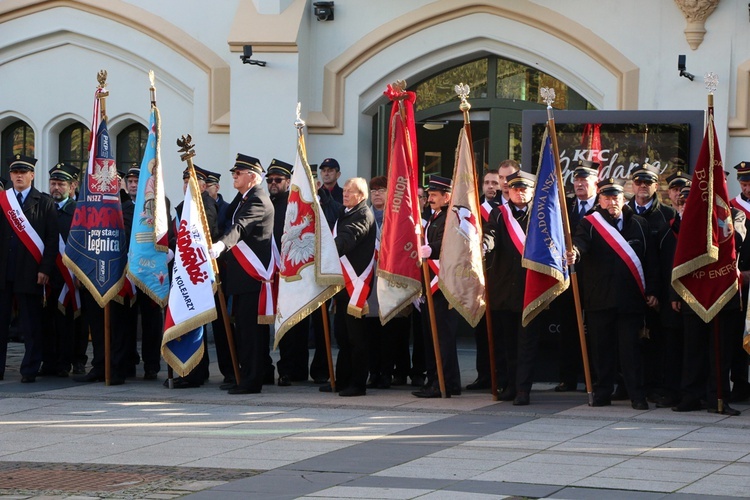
(59, 439)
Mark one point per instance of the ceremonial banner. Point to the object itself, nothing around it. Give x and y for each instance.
(705, 265)
(461, 272)
(95, 250)
(147, 257)
(399, 267)
(309, 267)
(191, 296)
(544, 251)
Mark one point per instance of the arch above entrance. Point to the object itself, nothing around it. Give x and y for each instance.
(579, 40)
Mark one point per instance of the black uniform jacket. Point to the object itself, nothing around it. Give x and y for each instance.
(252, 223)
(41, 213)
(607, 281)
(280, 202)
(356, 233)
(64, 220)
(506, 278)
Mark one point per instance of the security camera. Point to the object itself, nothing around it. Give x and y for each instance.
(247, 54)
(323, 11)
(682, 67)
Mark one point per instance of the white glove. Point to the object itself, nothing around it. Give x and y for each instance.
(170, 255)
(425, 251)
(216, 249)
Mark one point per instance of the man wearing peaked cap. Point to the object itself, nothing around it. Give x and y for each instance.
(647, 203)
(447, 319)
(675, 183)
(612, 244)
(742, 201)
(58, 320)
(330, 171)
(515, 345)
(251, 233)
(131, 181)
(213, 186)
(25, 266)
(741, 388)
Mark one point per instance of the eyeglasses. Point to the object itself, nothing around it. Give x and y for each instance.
(642, 182)
(274, 180)
(379, 190)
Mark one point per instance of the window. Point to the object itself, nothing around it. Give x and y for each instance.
(74, 145)
(131, 143)
(17, 139)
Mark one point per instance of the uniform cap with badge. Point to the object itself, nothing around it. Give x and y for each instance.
(64, 172)
(521, 179)
(245, 162)
(743, 171)
(610, 186)
(586, 168)
(278, 167)
(646, 173)
(440, 183)
(678, 179)
(21, 162)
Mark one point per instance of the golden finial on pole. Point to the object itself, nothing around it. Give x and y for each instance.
(102, 93)
(462, 91)
(186, 147)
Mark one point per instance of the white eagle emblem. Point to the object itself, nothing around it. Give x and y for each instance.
(298, 240)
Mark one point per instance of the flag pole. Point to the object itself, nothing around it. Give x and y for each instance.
(101, 77)
(463, 92)
(300, 124)
(400, 86)
(548, 94)
(186, 148)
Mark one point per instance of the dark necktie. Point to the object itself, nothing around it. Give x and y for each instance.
(582, 210)
(640, 209)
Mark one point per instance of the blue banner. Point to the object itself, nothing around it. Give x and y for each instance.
(95, 250)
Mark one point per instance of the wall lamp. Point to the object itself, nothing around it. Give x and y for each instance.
(247, 53)
(323, 11)
(683, 68)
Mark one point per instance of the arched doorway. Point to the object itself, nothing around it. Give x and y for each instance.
(501, 89)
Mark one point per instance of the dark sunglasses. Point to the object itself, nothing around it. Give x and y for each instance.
(639, 182)
(274, 180)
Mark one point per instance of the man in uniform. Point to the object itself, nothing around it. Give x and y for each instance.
(739, 375)
(620, 262)
(585, 176)
(252, 230)
(293, 354)
(28, 247)
(675, 183)
(447, 319)
(330, 171)
(504, 239)
(60, 323)
(647, 204)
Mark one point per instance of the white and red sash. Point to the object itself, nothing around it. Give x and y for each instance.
(253, 266)
(741, 204)
(21, 225)
(514, 228)
(485, 209)
(357, 285)
(434, 265)
(615, 240)
(69, 296)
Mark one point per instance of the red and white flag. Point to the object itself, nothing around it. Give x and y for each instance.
(461, 270)
(705, 266)
(309, 267)
(399, 267)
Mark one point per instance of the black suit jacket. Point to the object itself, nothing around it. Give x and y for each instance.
(356, 232)
(280, 201)
(506, 278)
(41, 213)
(64, 220)
(607, 282)
(252, 223)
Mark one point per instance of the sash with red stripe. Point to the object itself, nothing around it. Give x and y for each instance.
(741, 204)
(252, 265)
(514, 228)
(485, 209)
(615, 240)
(69, 296)
(21, 225)
(357, 285)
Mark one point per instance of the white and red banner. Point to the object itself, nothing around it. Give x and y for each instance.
(191, 296)
(309, 268)
(461, 270)
(399, 267)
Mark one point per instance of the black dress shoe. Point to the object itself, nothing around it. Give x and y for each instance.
(149, 375)
(430, 392)
(522, 399)
(479, 384)
(320, 380)
(270, 378)
(116, 381)
(373, 382)
(687, 405)
(639, 404)
(727, 410)
(183, 383)
(89, 377)
(352, 391)
(417, 381)
(507, 395)
(667, 402)
(566, 387)
(28, 379)
(598, 402)
(228, 385)
(79, 368)
(284, 381)
(243, 390)
(384, 383)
